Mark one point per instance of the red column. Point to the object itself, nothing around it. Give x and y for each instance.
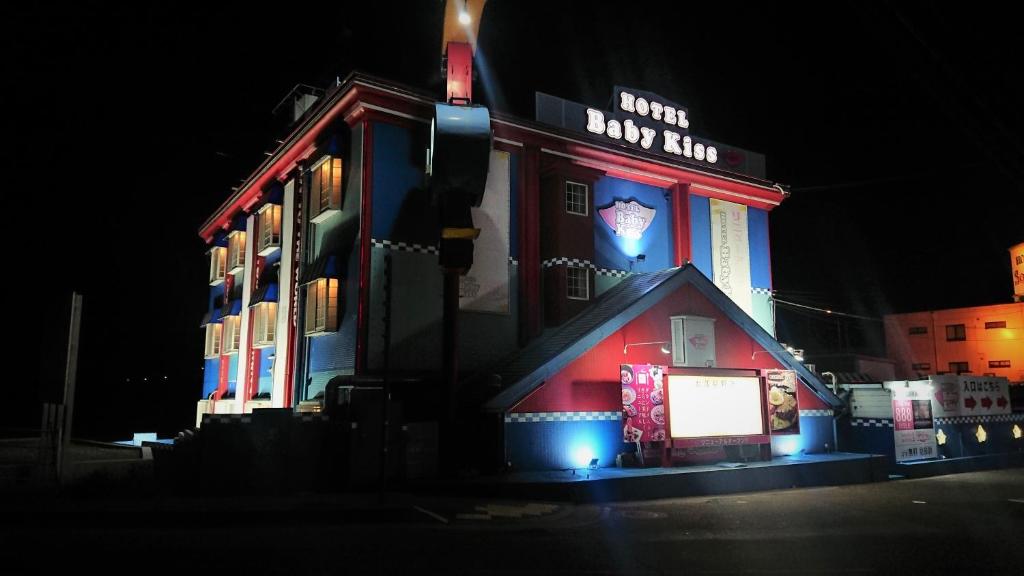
(681, 222)
(530, 300)
(365, 232)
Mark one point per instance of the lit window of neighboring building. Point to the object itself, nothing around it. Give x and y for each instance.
(213, 340)
(218, 264)
(264, 324)
(232, 334)
(921, 367)
(577, 281)
(576, 198)
(998, 363)
(236, 251)
(321, 306)
(955, 332)
(269, 225)
(325, 189)
(959, 367)
(915, 330)
(996, 324)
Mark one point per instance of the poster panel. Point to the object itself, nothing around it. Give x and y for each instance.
(710, 406)
(783, 407)
(730, 252)
(913, 425)
(643, 402)
(485, 287)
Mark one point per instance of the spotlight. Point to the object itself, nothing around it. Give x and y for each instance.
(464, 18)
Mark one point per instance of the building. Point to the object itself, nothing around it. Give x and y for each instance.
(981, 340)
(605, 236)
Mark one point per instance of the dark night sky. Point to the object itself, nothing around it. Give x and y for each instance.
(897, 127)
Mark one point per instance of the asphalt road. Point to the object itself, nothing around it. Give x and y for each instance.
(959, 524)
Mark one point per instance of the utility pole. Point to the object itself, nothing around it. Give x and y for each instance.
(64, 425)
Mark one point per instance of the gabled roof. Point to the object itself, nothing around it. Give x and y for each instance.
(637, 293)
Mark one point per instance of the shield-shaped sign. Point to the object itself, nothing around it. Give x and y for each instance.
(627, 219)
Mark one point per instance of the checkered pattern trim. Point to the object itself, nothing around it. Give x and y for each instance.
(871, 423)
(403, 246)
(807, 413)
(612, 273)
(762, 291)
(577, 262)
(562, 416)
(1019, 417)
(581, 263)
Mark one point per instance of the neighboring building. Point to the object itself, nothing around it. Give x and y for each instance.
(597, 228)
(850, 368)
(982, 340)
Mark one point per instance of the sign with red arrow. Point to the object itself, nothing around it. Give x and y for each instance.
(986, 402)
(970, 402)
(1002, 402)
(968, 395)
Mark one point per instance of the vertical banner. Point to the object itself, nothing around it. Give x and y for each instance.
(485, 287)
(1017, 265)
(730, 252)
(913, 426)
(783, 408)
(643, 402)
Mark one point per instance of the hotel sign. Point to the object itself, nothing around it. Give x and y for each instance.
(1017, 264)
(649, 122)
(627, 219)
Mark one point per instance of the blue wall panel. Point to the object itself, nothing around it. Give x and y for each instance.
(700, 234)
(401, 203)
(211, 374)
(215, 293)
(266, 379)
(562, 445)
(760, 254)
(615, 252)
(815, 432)
(232, 374)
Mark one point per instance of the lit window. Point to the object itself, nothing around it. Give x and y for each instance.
(996, 324)
(269, 225)
(264, 324)
(959, 367)
(321, 306)
(325, 189)
(576, 198)
(914, 330)
(213, 334)
(998, 363)
(921, 367)
(236, 251)
(218, 263)
(955, 332)
(232, 334)
(577, 282)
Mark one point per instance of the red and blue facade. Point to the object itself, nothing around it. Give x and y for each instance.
(378, 247)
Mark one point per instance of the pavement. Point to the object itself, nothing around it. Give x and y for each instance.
(958, 524)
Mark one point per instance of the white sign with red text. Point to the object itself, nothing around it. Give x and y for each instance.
(913, 425)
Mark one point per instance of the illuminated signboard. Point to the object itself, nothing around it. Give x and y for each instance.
(705, 406)
(666, 129)
(627, 219)
(647, 122)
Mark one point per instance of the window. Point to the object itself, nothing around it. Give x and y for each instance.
(922, 367)
(576, 198)
(998, 363)
(321, 306)
(232, 334)
(236, 251)
(269, 223)
(958, 367)
(213, 333)
(264, 324)
(915, 330)
(955, 332)
(996, 324)
(325, 189)
(577, 283)
(218, 261)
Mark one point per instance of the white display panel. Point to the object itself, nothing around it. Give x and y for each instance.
(702, 406)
